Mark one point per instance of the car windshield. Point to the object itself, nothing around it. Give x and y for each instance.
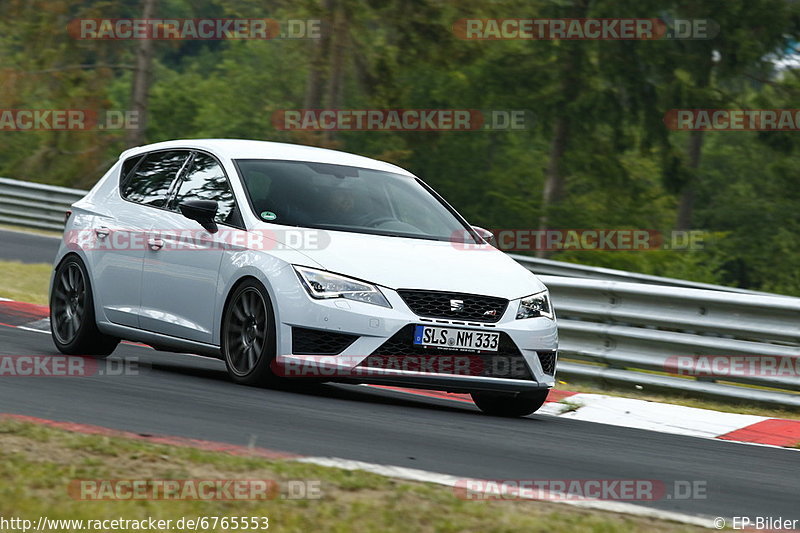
(344, 198)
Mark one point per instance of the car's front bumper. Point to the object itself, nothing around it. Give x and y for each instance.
(372, 326)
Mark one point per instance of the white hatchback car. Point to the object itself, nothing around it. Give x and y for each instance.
(288, 262)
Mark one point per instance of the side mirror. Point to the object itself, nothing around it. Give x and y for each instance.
(485, 234)
(203, 211)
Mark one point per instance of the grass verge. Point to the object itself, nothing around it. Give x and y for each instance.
(38, 463)
(25, 282)
(43, 232)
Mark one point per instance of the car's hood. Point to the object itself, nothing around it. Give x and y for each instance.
(402, 263)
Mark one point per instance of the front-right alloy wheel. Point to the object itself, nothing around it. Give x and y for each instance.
(498, 404)
(248, 336)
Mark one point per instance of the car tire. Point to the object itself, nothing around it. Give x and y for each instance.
(506, 405)
(73, 324)
(248, 336)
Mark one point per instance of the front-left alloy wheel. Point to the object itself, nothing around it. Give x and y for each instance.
(248, 335)
(72, 318)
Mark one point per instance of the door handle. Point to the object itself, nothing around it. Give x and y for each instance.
(102, 232)
(155, 244)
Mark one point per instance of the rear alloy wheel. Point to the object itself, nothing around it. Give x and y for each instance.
(248, 336)
(72, 318)
(498, 404)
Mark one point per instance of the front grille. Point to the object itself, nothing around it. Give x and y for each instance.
(548, 362)
(317, 342)
(454, 305)
(398, 353)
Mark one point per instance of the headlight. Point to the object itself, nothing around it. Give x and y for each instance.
(323, 285)
(535, 305)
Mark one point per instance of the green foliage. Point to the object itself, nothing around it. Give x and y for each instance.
(622, 167)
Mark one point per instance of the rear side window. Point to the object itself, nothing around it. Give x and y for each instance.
(129, 165)
(206, 180)
(151, 181)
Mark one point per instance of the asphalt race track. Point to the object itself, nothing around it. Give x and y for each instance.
(27, 248)
(191, 396)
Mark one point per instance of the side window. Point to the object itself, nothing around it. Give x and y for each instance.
(129, 165)
(151, 182)
(205, 180)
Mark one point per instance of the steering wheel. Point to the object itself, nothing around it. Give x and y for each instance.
(377, 221)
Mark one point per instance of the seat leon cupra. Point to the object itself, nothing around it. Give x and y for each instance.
(297, 263)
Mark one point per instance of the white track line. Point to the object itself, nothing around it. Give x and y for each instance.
(23, 328)
(412, 474)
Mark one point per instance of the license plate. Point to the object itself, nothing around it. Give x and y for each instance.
(456, 339)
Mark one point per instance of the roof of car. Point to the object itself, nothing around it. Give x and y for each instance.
(247, 149)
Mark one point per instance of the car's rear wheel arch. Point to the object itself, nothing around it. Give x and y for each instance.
(68, 256)
(85, 263)
(86, 339)
(98, 303)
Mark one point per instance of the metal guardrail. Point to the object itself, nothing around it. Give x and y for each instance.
(34, 205)
(548, 267)
(633, 334)
(616, 327)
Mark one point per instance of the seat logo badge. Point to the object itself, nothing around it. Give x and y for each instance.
(456, 305)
